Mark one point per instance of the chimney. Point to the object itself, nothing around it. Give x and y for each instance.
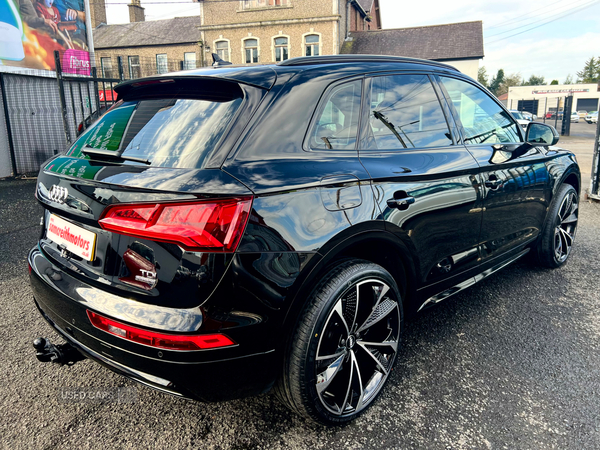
(136, 12)
(97, 12)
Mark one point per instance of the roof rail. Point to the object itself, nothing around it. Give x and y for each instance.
(332, 59)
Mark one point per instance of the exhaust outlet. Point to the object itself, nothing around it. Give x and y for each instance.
(63, 354)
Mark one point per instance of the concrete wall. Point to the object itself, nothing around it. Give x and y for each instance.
(5, 163)
(468, 67)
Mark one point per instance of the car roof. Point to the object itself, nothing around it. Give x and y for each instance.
(264, 76)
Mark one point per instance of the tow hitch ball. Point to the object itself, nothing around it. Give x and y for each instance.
(63, 354)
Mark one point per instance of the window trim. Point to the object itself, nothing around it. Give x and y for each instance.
(274, 46)
(166, 66)
(304, 45)
(456, 116)
(257, 39)
(215, 50)
(319, 110)
(103, 69)
(139, 65)
(243, 7)
(195, 59)
(367, 111)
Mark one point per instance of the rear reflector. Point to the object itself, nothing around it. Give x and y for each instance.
(214, 225)
(159, 340)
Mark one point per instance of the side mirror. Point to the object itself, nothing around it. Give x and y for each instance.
(541, 133)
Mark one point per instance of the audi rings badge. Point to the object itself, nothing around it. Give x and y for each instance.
(58, 194)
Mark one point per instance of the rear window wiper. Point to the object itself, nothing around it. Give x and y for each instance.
(110, 154)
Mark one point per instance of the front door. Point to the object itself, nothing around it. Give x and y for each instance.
(424, 182)
(515, 179)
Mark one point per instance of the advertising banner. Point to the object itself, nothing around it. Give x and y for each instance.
(30, 31)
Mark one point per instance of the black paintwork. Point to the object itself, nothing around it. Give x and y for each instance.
(310, 208)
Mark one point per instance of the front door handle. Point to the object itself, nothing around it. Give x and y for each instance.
(401, 203)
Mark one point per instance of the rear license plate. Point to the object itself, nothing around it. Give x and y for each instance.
(75, 239)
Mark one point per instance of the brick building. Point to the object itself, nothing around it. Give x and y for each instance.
(264, 31)
(148, 48)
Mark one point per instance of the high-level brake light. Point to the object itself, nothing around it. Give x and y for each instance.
(213, 225)
(159, 340)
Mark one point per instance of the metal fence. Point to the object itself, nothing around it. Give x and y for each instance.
(44, 115)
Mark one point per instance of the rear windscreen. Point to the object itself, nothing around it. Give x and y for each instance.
(172, 130)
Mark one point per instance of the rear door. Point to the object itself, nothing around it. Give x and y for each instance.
(514, 179)
(424, 182)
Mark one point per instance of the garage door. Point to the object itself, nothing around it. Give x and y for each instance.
(587, 104)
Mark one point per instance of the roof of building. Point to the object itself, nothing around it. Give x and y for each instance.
(439, 42)
(365, 4)
(156, 32)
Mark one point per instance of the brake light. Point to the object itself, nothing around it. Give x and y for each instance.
(159, 340)
(215, 225)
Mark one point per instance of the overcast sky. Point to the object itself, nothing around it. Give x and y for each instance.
(553, 49)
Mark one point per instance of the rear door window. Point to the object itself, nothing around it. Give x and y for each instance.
(405, 112)
(172, 131)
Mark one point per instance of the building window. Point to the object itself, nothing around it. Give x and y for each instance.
(135, 71)
(222, 48)
(311, 43)
(106, 64)
(189, 60)
(282, 49)
(248, 4)
(251, 51)
(161, 63)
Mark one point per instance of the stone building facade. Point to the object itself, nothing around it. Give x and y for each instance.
(267, 31)
(148, 48)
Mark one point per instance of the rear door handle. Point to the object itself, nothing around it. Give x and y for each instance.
(401, 203)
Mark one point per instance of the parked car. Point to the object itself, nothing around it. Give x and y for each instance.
(552, 115)
(223, 231)
(582, 113)
(575, 117)
(519, 118)
(528, 116)
(592, 117)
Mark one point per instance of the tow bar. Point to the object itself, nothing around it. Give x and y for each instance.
(63, 354)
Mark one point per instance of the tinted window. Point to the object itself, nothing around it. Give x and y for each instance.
(405, 113)
(167, 132)
(483, 120)
(337, 125)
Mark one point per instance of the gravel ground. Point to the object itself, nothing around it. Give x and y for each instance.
(513, 362)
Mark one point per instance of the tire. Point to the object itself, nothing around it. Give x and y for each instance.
(345, 344)
(560, 227)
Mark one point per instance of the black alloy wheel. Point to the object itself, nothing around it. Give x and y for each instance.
(345, 345)
(560, 228)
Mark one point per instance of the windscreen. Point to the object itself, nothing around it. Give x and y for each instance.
(177, 128)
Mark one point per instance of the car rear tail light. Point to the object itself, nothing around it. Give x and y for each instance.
(214, 225)
(159, 340)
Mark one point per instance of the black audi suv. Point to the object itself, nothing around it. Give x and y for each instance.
(225, 231)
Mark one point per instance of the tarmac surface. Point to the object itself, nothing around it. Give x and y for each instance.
(512, 362)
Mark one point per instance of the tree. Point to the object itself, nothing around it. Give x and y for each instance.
(496, 82)
(590, 72)
(569, 79)
(514, 79)
(482, 76)
(535, 80)
(554, 82)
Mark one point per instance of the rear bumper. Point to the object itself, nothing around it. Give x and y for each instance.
(209, 375)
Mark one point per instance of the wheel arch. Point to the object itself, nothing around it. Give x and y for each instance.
(375, 245)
